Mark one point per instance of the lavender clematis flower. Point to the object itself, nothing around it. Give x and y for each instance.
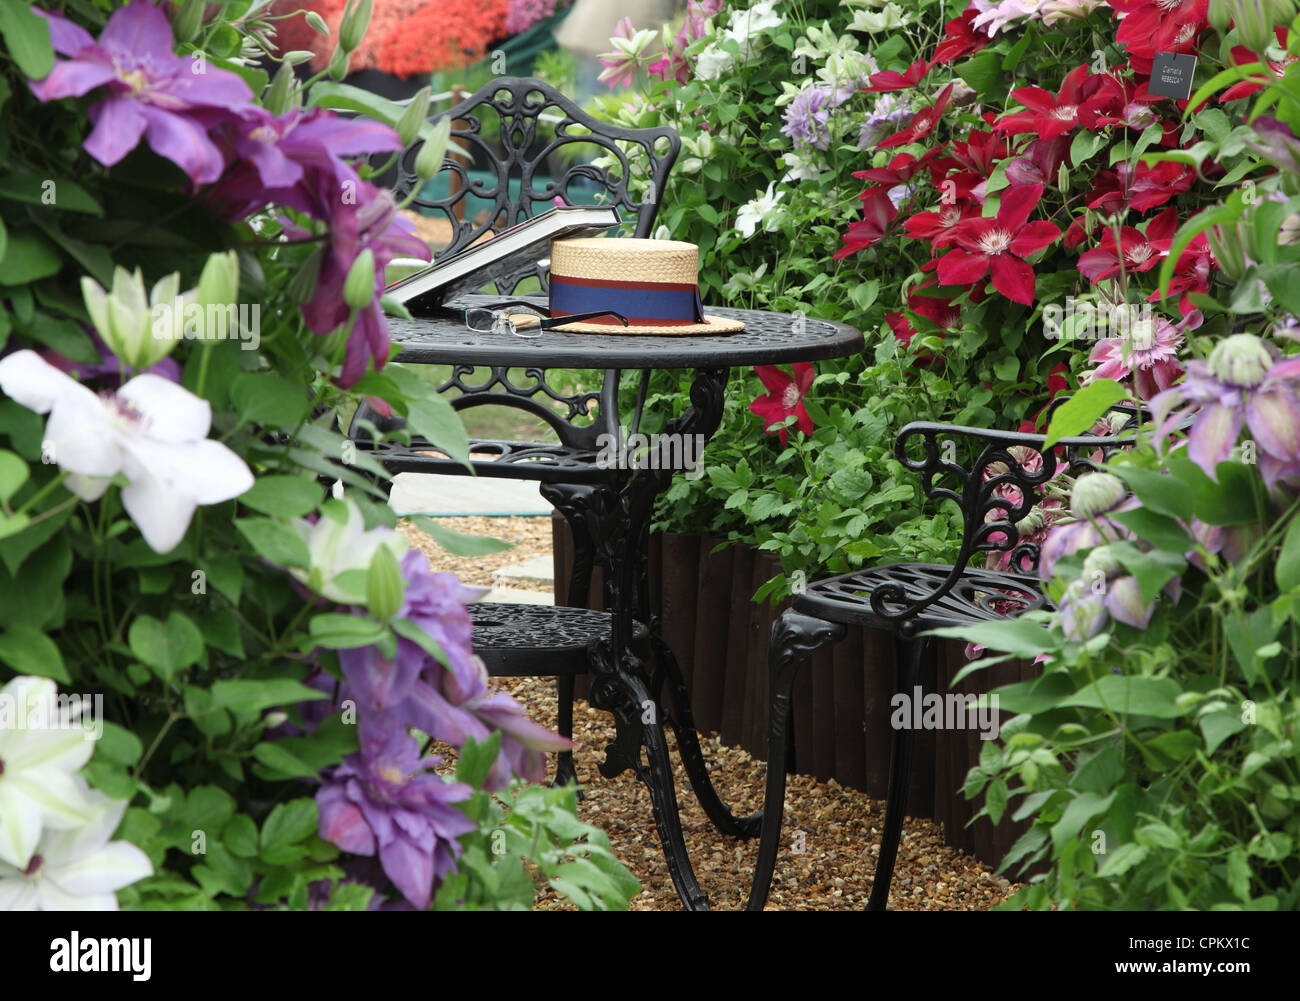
(383, 801)
(153, 93)
(808, 116)
(1241, 385)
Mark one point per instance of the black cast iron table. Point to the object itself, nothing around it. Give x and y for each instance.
(618, 517)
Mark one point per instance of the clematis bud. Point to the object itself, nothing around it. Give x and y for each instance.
(359, 286)
(1219, 15)
(338, 67)
(356, 19)
(1101, 561)
(219, 282)
(1124, 603)
(384, 584)
(408, 126)
(140, 328)
(1240, 360)
(276, 98)
(429, 160)
(1289, 232)
(1082, 612)
(317, 23)
(1063, 178)
(1096, 493)
(1226, 243)
(1254, 23)
(185, 24)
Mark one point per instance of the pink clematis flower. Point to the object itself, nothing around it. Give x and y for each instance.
(1148, 354)
(152, 92)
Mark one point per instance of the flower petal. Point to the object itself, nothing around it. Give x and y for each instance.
(1013, 278)
(172, 413)
(1034, 237)
(958, 267)
(160, 511)
(32, 381)
(185, 142)
(119, 124)
(115, 865)
(1212, 437)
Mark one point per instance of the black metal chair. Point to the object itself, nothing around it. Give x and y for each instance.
(909, 598)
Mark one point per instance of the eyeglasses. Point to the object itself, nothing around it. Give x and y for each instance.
(493, 319)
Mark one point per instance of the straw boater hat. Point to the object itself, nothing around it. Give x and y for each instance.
(654, 283)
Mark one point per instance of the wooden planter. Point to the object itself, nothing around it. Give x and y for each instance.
(841, 700)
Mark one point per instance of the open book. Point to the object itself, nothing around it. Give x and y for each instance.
(504, 255)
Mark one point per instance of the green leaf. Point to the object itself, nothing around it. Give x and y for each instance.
(1234, 500)
(345, 632)
(1158, 529)
(1166, 495)
(1153, 570)
(983, 73)
(995, 797)
(1081, 410)
(1288, 560)
(29, 256)
(1081, 809)
(1015, 636)
(282, 763)
(207, 808)
(253, 695)
(29, 651)
(1136, 696)
(434, 420)
(287, 825)
(240, 836)
(477, 759)
(119, 745)
(166, 647)
(275, 542)
(283, 496)
(27, 36)
(266, 399)
(13, 474)
(38, 190)
(1217, 727)
(1122, 859)
(459, 543)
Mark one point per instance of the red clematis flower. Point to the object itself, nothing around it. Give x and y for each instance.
(1151, 26)
(877, 213)
(1241, 56)
(940, 227)
(922, 123)
(1191, 274)
(902, 168)
(784, 397)
(886, 80)
(959, 38)
(996, 247)
(1140, 188)
(1082, 97)
(1140, 252)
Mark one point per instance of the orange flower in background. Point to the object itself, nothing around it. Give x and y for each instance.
(405, 37)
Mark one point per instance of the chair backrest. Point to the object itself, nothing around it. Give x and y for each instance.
(529, 139)
(1006, 479)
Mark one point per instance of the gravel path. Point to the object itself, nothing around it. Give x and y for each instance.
(837, 828)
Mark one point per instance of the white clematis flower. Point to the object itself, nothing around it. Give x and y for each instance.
(76, 870)
(39, 782)
(340, 545)
(760, 212)
(151, 430)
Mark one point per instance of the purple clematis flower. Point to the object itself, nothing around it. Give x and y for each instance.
(383, 801)
(808, 117)
(1243, 384)
(364, 218)
(294, 160)
(172, 102)
(108, 371)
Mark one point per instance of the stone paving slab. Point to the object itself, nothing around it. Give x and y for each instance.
(422, 493)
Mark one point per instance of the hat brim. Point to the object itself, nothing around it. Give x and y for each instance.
(711, 325)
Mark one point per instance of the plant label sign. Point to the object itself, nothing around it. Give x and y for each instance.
(1171, 75)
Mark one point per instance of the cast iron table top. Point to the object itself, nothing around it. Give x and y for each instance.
(768, 339)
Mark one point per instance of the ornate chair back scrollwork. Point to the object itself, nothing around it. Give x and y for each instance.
(1003, 478)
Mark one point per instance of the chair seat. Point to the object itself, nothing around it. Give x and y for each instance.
(546, 462)
(535, 640)
(978, 595)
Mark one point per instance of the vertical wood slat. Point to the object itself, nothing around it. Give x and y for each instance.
(848, 681)
(877, 686)
(823, 700)
(761, 615)
(737, 663)
(713, 609)
(678, 570)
